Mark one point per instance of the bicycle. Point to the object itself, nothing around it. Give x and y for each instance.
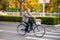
(38, 30)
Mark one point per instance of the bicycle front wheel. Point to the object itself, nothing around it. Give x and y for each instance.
(39, 31)
(20, 29)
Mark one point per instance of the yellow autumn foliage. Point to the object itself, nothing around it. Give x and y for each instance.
(27, 3)
(1, 6)
(51, 9)
(31, 3)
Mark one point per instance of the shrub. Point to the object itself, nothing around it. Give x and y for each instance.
(10, 18)
(53, 20)
(49, 20)
(12, 9)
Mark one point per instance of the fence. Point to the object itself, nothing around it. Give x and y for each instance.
(32, 13)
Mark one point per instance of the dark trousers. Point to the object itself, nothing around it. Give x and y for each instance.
(29, 24)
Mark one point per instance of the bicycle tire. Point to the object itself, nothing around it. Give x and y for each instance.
(39, 29)
(19, 31)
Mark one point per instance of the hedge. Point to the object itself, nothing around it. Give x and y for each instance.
(49, 20)
(53, 20)
(10, 18)
(59, 19)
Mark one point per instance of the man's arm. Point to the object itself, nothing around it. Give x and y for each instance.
(26, 15)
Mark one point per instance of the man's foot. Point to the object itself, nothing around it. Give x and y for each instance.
(31, 29)
(27, 31)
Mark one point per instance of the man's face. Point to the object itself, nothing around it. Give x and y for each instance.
(28, 10)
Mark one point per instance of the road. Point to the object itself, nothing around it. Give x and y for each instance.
(8, 32)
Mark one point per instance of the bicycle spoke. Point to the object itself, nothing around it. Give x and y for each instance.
(20, 29)
(39, 31)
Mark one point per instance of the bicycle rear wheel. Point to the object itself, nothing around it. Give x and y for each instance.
(39, 31)
(20, 29)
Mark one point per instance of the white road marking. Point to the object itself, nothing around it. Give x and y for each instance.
(34, 38)
(7, 31)
(10, 31)
(53, 33)
(32, 32)
(46, 35)
(52, 36)
(9, 28)
(1, 30)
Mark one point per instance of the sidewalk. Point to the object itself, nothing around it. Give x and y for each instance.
(58, 25)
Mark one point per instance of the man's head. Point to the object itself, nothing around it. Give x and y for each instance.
(28, 10)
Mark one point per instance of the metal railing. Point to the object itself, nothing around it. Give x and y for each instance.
(32, 13)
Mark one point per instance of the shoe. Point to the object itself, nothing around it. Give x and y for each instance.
(27, 31)
(31, 29)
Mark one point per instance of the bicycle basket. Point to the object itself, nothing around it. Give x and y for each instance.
(38, 21)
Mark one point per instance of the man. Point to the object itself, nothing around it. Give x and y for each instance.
(26, 17)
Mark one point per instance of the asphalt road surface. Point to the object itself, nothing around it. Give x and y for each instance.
(8, 31)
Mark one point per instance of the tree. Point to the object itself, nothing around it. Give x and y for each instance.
(4, 4)
(53, 6)
(31, 3)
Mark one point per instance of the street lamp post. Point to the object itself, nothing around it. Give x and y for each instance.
(44, 2)
(21, 7)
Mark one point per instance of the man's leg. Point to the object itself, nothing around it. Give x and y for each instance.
(26, 28)
(31, 25)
